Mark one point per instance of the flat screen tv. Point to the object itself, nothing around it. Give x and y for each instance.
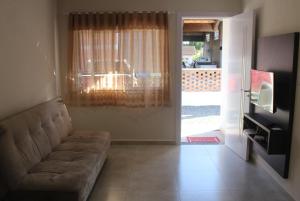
(262, 89)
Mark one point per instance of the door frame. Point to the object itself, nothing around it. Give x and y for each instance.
(178, 54)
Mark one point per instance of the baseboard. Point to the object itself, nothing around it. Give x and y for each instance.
(263, 164)
(143, 142)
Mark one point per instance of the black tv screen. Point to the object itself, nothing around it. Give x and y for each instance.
(262, 89)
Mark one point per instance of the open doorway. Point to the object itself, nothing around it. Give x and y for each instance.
(237, 35)
(201, 81)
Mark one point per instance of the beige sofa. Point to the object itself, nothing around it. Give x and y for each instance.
(43, 159)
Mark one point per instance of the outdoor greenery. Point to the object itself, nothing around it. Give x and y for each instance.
(199, 48)
(198, 44)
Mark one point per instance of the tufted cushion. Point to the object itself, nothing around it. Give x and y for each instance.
(55, 120)
(29, 137)
(65, 171)
(12, 162)
(72, 175)
(71, 156)
(42, 158)
(88, 136)
(92, 147)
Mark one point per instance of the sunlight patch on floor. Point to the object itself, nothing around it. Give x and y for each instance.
(199, 125)
(200, 114)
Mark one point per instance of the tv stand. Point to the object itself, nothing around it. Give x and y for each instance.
(268, 136)
(272, 136)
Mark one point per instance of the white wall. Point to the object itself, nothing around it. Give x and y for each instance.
(26, 54)
(279, 17)
(126, 123)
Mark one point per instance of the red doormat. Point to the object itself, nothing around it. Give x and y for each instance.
(203, 140)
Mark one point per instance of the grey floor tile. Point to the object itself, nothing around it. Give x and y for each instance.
(182, 173)
(115, 181)
(208, 196)
(108, 195)
(260, 195)
(153, 182)
(152, 196)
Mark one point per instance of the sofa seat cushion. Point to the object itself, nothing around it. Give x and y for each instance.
(64, 162)
(59, 175)
(70, 156)
(88, 136)
(92, 147)
(51, 181)
(69, 171)
(43, 159)
(62, 171)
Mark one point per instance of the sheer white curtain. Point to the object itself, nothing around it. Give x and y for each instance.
(119, 59)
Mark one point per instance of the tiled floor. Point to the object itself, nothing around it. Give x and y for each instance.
(182, 173)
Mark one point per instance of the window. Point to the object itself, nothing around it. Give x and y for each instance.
(119, 59)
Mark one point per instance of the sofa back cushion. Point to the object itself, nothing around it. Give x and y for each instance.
(28, 137)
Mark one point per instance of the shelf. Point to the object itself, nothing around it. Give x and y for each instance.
(262, 122)
(273, 136)
(263, 145)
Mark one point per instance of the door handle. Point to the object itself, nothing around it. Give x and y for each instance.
(246, 90)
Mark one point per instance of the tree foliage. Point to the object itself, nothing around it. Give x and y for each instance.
(198, 44)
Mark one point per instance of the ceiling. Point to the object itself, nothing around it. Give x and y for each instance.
(200, 25)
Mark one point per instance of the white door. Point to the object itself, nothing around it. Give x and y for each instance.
(237, 56)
